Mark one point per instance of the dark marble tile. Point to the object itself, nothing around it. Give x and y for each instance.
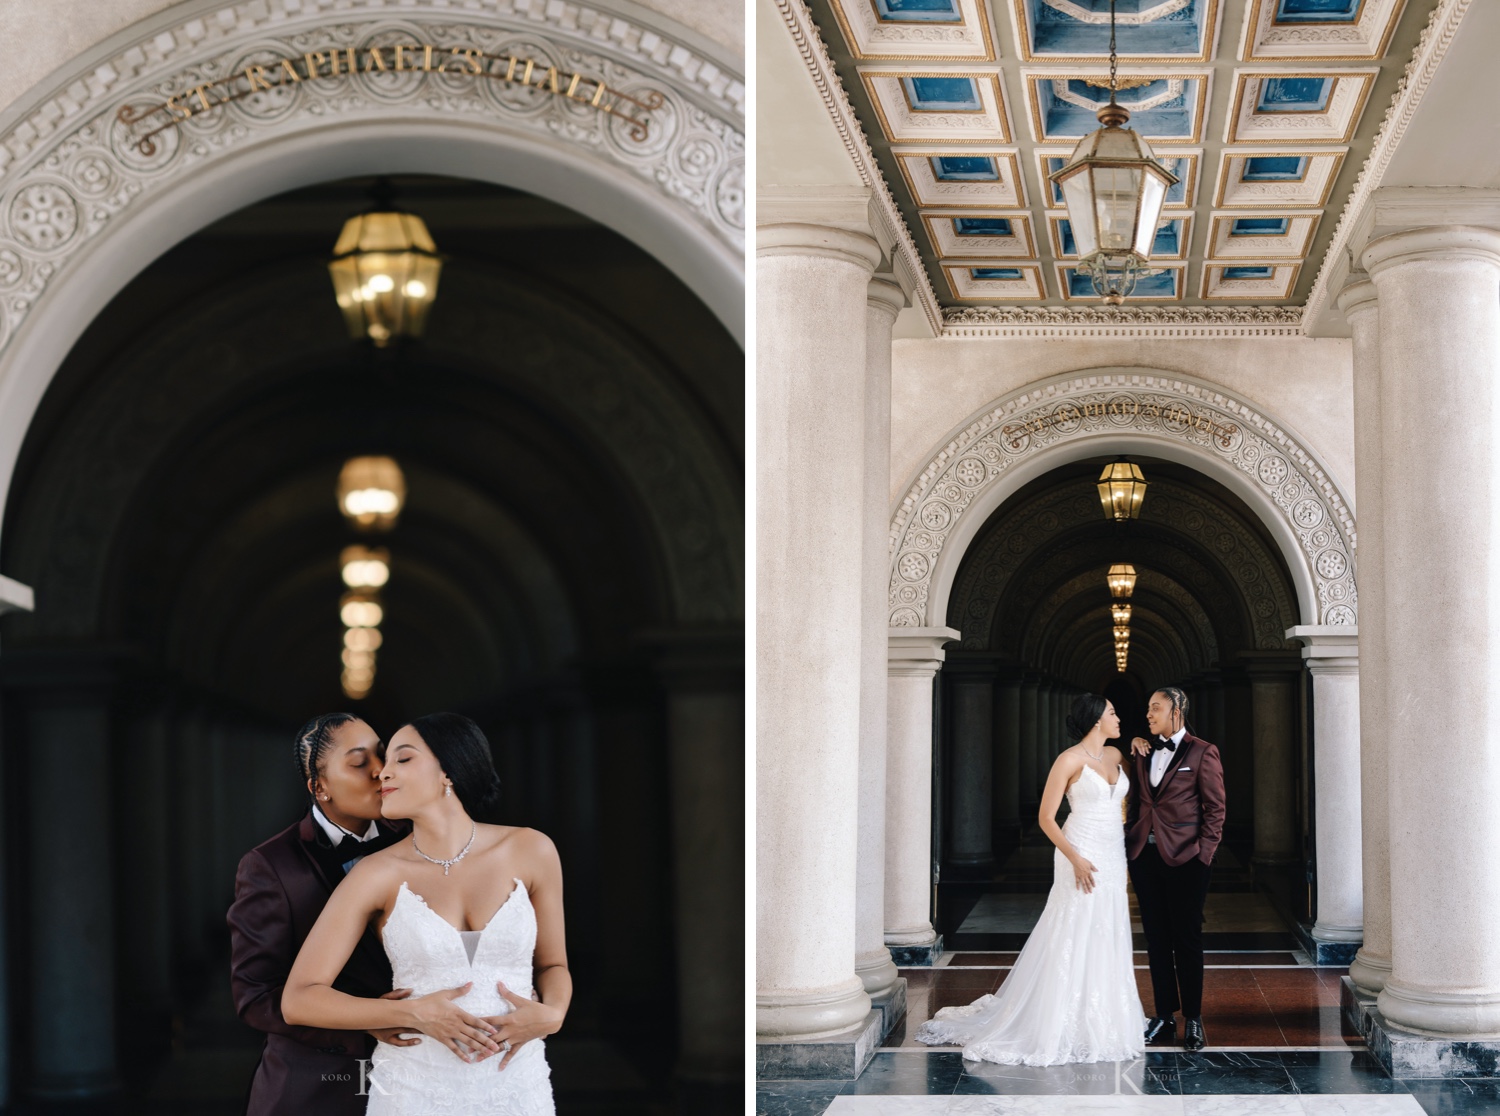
(1213, 1061)
(1313, 1080)
(1094, 1078)
(1256, 1079)
(794, 1098)
(1460, 1097)
(924, 1074)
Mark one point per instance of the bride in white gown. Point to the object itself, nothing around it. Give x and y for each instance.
(1071, 996)
(471, 916)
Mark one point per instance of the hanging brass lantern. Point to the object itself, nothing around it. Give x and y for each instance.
(371, 492)
(1114, 190)
(1120, 614)
(1122, 487)
(1121, 581)
(385, 271)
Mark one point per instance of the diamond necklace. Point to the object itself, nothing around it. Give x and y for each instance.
(473, 829)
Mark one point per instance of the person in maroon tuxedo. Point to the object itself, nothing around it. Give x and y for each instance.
(279, 891)
(1173, 825)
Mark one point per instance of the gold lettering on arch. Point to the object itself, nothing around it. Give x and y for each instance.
(1175, 418)
(421, 58)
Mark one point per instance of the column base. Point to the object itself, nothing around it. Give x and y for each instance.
(1403, 1054)
(877, 973)
(840, 1056)
(1369, 973)
(891, 1005)
(1441, 1015)
(918, 956)
(811, 1015)
(1324, 951)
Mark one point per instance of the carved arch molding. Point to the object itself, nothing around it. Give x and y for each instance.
(1031, 555)
(1041, 419)
(70, 168)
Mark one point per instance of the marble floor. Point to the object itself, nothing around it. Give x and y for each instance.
(1278, 1046)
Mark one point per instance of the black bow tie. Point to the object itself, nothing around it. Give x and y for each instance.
(1163, 742)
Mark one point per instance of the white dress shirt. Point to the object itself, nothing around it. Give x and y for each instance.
(1161, 759)
(337, 833)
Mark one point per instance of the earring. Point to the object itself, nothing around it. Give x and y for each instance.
(447, 790)
(325, 798)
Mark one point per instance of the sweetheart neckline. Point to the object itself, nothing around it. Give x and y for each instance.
(520, 887)
(1120, 767)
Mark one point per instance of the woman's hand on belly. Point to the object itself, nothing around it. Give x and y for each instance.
(528, 1019)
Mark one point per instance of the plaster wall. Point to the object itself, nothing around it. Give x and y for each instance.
(50, 32)
(1305, 384)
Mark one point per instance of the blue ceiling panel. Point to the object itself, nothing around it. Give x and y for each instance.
(1317, 11)
(942, 94)
(1159, 32)
(919, 11)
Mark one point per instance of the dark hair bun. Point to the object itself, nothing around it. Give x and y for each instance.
(1085, 714)
(464, 755)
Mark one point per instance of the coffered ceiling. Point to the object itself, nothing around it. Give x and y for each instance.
(1264, 109)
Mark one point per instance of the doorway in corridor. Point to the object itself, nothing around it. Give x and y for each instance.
(1210, 606)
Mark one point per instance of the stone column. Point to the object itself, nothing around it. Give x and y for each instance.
(1273, 702)
(1332, 657)
(872, 958)
(1008, 757)
(1372, 963)
(812, 285)
(1029, 746)
(971, 779)
(1439, 330)
(71, 904)
(703, 672)
(916, 654)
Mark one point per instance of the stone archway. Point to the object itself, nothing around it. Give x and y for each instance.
(85, 206)
(1121, 410)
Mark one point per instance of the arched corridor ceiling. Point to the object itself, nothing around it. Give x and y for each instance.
(571, 439)
(1265, 109)
(1210, 581)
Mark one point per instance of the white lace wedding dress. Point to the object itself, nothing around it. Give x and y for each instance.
(427, 954)
(1071, 996)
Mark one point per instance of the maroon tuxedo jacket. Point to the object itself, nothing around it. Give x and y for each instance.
(279, 891)
(1186, 811)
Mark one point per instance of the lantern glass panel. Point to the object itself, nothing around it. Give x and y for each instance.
(1116, 202)
(1153, 195)
(1076, 195)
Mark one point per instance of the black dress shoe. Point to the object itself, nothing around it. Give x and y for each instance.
(1161, 1032)
(1194, 1038)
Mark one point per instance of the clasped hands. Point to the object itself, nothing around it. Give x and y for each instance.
(473, 1037)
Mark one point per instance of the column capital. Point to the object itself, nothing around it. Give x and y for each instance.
(1328, 648)
(832, 222)
(886, 296)
(1432, 242)
(915, 652)
(1359, 295)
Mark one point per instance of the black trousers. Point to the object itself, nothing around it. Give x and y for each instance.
(1171, 901)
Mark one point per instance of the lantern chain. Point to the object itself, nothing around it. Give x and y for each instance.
(1112, 59)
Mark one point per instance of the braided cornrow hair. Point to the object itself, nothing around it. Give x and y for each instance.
(313, 740)
(1179, 702)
